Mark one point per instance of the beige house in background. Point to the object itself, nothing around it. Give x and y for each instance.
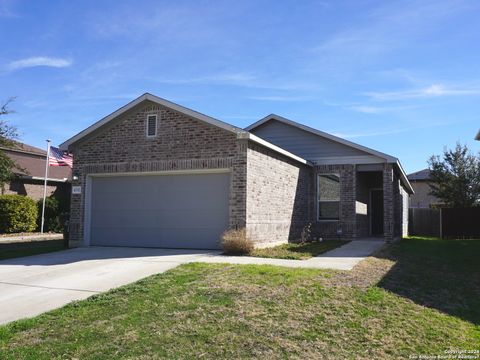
(29, 174)
(421, 198)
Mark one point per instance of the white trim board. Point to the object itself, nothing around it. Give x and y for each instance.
(276, 148)
(357, 160)
(27, 177)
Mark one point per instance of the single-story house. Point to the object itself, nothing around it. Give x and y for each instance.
(29, 173)
(156, 174)
(420, 184)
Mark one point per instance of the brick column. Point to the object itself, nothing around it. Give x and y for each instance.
(348, 197)
(388, 203)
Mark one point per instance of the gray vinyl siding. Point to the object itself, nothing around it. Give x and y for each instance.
(302, 143)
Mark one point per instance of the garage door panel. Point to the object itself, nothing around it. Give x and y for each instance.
(154, 237)
(185, 211)
(170, 200)
(160, 218)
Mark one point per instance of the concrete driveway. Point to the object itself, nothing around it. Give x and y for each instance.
(32, 285)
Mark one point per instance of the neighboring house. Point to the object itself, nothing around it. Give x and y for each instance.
(157, 174)
(30, 173)
(422, 197)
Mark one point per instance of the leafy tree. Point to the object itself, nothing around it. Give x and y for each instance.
(455, 178)
(8, 134)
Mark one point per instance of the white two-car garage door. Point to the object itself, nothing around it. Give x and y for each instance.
(172, 211)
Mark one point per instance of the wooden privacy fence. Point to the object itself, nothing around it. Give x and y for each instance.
(424, 222)
(461, 222)
(445, 223)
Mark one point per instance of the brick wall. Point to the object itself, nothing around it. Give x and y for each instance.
(345, 227)
(182, 143)
(33, 189)
(278, 196)
(388, 202)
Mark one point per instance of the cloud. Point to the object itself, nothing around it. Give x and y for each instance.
(280, 98)
(221, 78)
(242, 79)
(432, 91)
(381, 31)
(5, 9)
(388, 131)
(369, 133)
(367, 109)
(39, 61)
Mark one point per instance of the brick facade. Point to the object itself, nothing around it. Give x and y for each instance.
(32, 189)
(272, 195)
(182, 143)
(278, 196)
(346, 226)
(388, 202)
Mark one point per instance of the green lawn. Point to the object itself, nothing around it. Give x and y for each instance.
(298, 251)
(417, 297)
(14, 250)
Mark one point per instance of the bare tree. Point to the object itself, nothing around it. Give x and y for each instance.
(8, 135)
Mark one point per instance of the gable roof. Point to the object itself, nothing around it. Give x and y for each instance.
(17, 146)
(386, 157)
(419, 175)
(322, 134)
(158, 100)
(186, 111)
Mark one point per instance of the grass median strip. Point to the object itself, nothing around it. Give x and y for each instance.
(28, 248)
(298, 251)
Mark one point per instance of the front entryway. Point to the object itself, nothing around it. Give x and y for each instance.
(376, 213)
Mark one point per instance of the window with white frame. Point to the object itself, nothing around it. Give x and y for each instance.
(151, 125)
(328, 196)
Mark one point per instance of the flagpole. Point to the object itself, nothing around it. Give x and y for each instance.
(47, 163)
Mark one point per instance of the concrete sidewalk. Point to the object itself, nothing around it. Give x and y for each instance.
(342, 258)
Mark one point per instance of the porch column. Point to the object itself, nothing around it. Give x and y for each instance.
(388, 202)
(348, 197)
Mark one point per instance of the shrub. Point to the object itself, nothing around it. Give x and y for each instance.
(56, 213)
(236, 242)
(17, 214)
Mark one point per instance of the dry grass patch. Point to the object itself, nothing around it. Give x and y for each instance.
(300, 251)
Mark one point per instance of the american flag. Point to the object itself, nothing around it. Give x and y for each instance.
(59, 157)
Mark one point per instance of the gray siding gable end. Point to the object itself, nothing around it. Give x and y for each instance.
(305, 144)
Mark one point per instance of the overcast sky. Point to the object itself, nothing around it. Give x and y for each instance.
(402, 77)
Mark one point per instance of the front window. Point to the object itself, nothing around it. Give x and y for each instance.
(328, 193)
